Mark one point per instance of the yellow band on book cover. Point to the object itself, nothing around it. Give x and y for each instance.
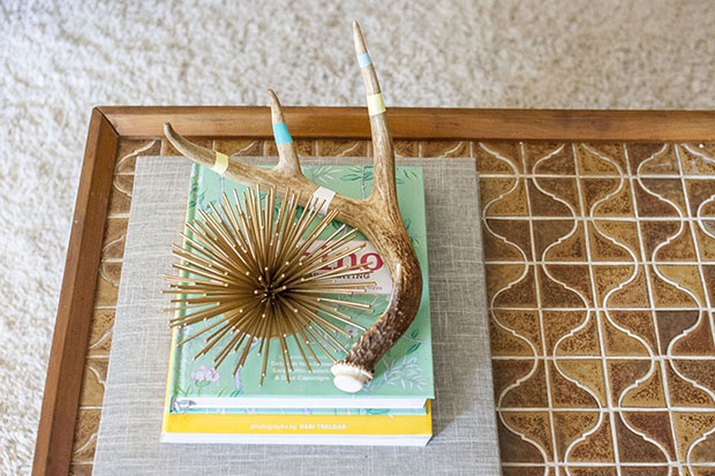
(306, 424)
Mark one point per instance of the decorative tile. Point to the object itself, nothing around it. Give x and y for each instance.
(677, 286)
(515, 333)
(606, 197)
(511, 285)
(646, 392)
(563, 238)
(562, 189)
(100, 337)
(506, 240)
(85, 437)
(543, 203)
(619, 341)
(564, 286)
(571, 333)
(636, 323)
(444, 149)
(635, 470)
(656, 426)
(592, 471)
(690, 431)
(93, 381)
(595, 444)
(623, 374)
(565, 393)
(525, 470)
(81, 470)
(652, 159)
(696, 161)
(520, 383)
(402, 148)
(497, 158)
(505, 342)
(633, 447)
(129, 150)
(701, 371)
(656, 235)
(621, 286)
(119, 201)
(613, 240)
(115, 231)
(570, 427)
(545, 158)
(341, 148)
(700, 194)
(304, 148)
(534, 428)
(107, 284)
(685, 332)
(600, 159)
(513, 447)
(503, 197)
(655, 197)
(685, 392)
(239, 147)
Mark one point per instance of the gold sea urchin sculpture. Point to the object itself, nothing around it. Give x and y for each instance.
(256, 273)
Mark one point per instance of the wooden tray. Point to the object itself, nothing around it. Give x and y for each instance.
(629, 391)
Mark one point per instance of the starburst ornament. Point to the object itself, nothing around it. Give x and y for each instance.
(254, 269)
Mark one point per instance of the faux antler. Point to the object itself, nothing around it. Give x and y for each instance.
(377, 216)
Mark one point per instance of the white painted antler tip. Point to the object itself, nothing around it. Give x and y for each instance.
(276, 110)
(359, 39)
(272, 96)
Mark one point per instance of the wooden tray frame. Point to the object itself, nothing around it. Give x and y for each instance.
(108, 125)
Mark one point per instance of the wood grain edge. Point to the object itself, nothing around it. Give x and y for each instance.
(53, 448)
(420, 123)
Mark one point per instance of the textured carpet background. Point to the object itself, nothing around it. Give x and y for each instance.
(59, 59)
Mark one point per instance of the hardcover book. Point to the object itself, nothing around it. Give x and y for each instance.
(403, 377)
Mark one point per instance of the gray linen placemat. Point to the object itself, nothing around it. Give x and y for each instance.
(465, 440)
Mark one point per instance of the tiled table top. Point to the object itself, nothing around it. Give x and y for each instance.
(601, 283)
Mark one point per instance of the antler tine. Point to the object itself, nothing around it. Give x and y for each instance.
(199, 154)
(288, 163)
(384, 188)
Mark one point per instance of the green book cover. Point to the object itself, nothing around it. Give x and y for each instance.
(403, 377)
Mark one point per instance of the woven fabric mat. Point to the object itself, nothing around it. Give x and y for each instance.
(465, 436)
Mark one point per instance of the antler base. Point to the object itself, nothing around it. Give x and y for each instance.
(350, 378)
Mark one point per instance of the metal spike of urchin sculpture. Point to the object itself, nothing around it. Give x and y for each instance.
(257, 274)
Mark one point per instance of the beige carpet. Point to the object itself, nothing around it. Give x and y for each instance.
(57, 60)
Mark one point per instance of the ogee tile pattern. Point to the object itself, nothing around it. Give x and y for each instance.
(601, 283)
(600, 267)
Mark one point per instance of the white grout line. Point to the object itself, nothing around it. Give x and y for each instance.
(493, 314)
(707, 358)
(599, 323)
(601, 464)
(604, 409)
(604, 263)
(541, 317)
(605, 218)
(590, 308)
(615, 176)
(696, 245)
(653, 307)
